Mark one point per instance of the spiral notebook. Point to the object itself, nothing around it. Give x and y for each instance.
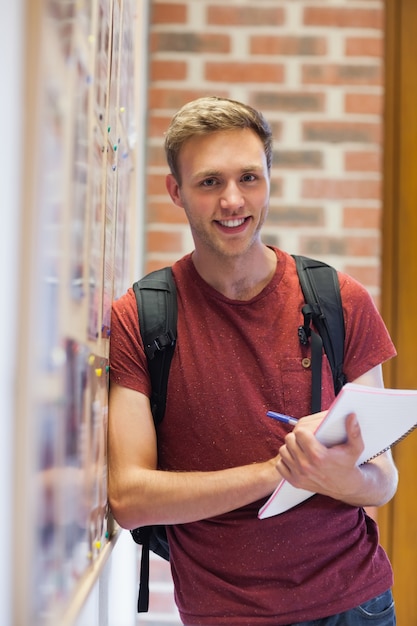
(386, 416)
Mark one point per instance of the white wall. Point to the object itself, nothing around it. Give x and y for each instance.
(11, 42)
(112, 601)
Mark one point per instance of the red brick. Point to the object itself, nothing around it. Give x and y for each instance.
(175, 98)
(189, 42)
(296, 216)
(367, 275)
(298, 159)
(291, 46)
(157, 125)
(156, 184)
(157, 264)
(276, 128)
(364, 47)
(238, 72)
(165, 213)
(163, 241)
(339, 132)
(343, 246)
(160, 570)
(362, 217)
(341, 17)
(331, 188)
(363, 246)
(334, 74)
(292, 101)
(276, 186)
(166, 13)
(321, 245)
(155, 156)
(364, 103)
(359, 161)
(245, 16)
(168, 70)
(162, 603)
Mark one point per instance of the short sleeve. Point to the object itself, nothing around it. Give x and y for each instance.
(367, 341)
(128, 366)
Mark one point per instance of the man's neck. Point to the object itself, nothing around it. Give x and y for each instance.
(240, 278)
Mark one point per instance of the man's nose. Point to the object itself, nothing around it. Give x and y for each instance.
(231, 197)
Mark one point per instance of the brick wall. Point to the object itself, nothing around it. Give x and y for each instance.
(315, 69)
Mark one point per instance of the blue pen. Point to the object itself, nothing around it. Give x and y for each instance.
(283, 418)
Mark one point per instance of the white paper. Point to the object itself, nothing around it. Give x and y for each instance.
(385, 416)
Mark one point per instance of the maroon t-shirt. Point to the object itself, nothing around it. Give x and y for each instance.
(234, 360)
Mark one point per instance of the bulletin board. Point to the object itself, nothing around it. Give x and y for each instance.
(79, 217)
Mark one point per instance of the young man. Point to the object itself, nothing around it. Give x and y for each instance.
(216, 456)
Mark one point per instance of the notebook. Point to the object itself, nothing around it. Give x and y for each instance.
(385, 416)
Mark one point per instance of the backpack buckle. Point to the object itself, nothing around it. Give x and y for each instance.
(159, 344)
(304, 332)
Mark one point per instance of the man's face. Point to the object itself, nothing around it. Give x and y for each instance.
(224, 190)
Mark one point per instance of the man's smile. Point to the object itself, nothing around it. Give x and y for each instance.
(232, 223)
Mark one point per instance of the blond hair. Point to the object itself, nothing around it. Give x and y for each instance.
(210, 114)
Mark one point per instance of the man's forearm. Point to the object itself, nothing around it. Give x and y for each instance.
(377, 483)
(150, 496)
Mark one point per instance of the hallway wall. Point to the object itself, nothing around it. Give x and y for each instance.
(11, 43)
(71, 166)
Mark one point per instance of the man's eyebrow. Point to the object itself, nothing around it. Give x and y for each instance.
(209, 173)
(252, 168)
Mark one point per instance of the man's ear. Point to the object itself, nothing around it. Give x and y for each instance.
(173, 190)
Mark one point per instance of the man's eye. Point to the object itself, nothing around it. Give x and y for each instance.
(248, 178)
(209, 182)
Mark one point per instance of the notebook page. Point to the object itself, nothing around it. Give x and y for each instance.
(385, 416)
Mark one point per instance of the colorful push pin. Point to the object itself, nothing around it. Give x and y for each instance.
(99, 371)
(91, 359)
(97, 545)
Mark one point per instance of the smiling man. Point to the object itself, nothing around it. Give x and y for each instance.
(216, 456)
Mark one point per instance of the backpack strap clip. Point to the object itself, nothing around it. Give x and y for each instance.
(304, 331)
(160, 343)
(309, 312)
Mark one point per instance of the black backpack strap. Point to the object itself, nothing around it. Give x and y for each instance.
(143, 595)
(156, 299)
(323, 308)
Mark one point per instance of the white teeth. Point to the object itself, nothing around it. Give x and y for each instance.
(232, 223)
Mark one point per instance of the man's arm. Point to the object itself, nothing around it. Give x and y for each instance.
(139, 494)
(307, 464)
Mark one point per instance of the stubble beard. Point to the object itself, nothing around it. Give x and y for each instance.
(220, 247)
